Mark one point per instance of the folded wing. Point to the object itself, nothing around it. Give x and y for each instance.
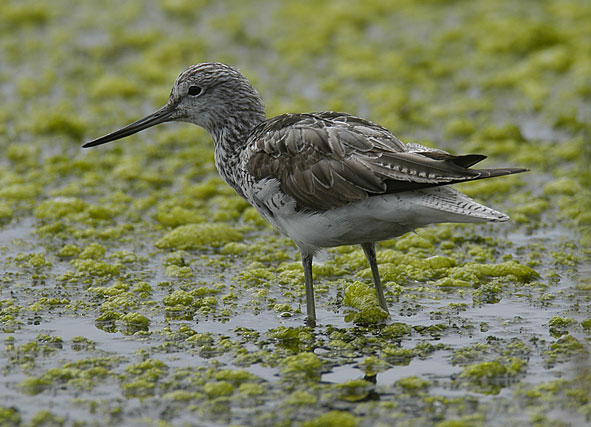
(328, 160)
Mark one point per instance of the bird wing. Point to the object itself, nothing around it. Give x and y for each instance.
(328, 160)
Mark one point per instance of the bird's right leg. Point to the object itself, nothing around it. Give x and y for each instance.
(310, 306)
(370, 254)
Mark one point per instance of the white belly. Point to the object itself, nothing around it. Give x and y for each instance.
(356, 223)
(373, 219)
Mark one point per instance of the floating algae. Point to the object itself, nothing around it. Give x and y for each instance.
(136, 287)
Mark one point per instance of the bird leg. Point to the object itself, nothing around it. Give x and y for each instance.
(310, 306)
(370, 254)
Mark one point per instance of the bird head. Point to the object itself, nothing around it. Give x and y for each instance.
(211, 95)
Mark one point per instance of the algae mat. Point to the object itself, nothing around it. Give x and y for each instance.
(138, 289)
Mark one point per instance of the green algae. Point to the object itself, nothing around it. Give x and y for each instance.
(413, 241)
(355, 390)
(139, 388)
(35, 261)
(6, 212)
(558, 325)
(490, 377)
(252, 216)
(399, 267)
(218, 389)
(135, 322)
(304, 366)
(372, 365)
(413, 384)
(509, 270)
(92, 251)
(10, 416)
(396, 331)
(235, 377)
(59, 121)
(185, 304)
(465, 421)
(468, 354)
(396, 355)
(69, 250)
(507, 81)
(178, 297)
(20, 191)
(176, 258)
(109, 86)
(17, 15)
(364, 299)
(292, 338)
(177, 271)
(300, 398)
(82, 344)
(182, 8)
(92, 268)
(179, 216)
(333, 419)
(70, 375)
(565, 348)
(45, 303)
(571, 394)
(195, 236)
(45, 418)
(60, 207)
(236, 248)
(201, 340)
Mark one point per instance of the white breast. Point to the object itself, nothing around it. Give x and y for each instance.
(373, 219)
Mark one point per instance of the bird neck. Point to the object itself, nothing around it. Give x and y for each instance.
(230, 137)
(232, 132)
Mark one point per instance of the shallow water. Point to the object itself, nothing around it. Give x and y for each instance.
(107, 318)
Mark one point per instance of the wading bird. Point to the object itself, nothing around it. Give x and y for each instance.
(324, 179)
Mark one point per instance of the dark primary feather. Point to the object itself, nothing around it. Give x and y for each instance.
(327, 160)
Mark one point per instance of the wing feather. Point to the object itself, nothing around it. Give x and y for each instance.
(322, 172)
(327, 160)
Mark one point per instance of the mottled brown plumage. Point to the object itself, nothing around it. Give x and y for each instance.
(328, 160)
(323, 179)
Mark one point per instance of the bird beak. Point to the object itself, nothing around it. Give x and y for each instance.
(161, 115)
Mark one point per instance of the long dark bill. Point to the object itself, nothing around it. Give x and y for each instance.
(162, 115)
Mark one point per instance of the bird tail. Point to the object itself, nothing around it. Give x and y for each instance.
(449, 205)
(491, 173)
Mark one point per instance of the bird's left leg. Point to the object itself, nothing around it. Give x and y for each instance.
(310, 306)
(370, 254)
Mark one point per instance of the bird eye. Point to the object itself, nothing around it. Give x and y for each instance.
(194, 90)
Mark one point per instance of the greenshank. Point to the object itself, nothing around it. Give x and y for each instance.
(324, 179)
